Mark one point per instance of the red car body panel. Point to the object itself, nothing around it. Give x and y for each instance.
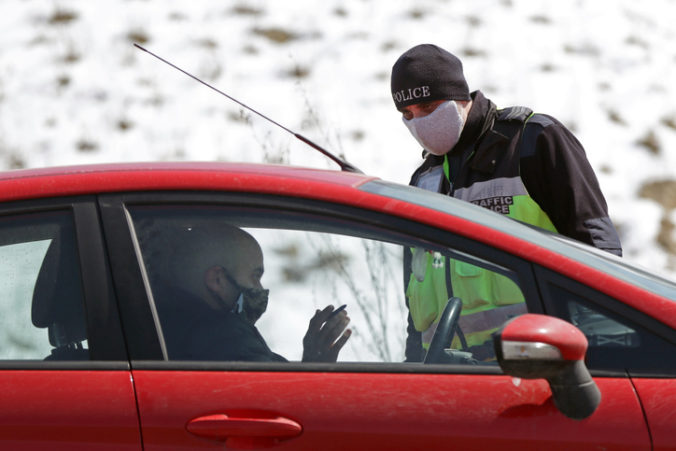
(388, 411)
(658, 397)
(68, 410)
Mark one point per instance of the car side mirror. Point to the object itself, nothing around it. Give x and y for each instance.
(535, 346)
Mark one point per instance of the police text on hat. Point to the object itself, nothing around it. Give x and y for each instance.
(427, 72)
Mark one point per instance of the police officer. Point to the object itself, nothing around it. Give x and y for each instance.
(524, 165)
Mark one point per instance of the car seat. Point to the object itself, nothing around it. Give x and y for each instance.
(58, 303)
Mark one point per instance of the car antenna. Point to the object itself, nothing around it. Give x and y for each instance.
(344, 165)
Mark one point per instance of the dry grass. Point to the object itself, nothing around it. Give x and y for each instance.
(124, 125)
(15, 161)
(298, 72)
(473, 52)
(138, 36)
(416, 13)
(664, 193)
(62, 17)
(63, 81)
(615, 117)
(666, 236)
(276, 35)
(542, 20)
(661, 191)
(246, 10)
(207, 43)
(86, 146)
(650, 142)
(71, 57)
(669, 121)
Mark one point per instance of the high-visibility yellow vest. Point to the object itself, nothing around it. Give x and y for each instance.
(480, 290)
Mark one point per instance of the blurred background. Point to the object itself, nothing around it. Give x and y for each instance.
(74, 89)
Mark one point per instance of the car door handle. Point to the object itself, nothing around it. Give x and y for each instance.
(252, 424)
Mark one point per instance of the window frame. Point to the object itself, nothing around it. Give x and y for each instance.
(141, 324)
(105, 340)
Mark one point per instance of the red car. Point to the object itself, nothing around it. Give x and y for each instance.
(92, 358)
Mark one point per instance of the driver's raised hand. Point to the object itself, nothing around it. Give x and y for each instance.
(324, 339)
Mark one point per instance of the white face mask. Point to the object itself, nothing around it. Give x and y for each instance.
(440, 130)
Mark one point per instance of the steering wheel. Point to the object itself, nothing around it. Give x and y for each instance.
(445, 331)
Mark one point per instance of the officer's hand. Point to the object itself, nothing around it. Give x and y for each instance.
(324, 339)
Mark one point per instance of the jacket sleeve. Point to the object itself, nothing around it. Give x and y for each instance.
(558, 176)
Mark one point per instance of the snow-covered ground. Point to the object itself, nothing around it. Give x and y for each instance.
(73, 88)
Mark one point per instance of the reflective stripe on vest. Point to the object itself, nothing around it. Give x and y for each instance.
(506, 195)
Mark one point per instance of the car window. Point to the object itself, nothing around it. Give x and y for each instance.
(574, 249)
(309, 262)
(41, 309)
(600, 330)
(617, 342)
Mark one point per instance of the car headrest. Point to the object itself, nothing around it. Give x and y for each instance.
(57, 297)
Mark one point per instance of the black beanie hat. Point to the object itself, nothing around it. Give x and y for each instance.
(427, 72)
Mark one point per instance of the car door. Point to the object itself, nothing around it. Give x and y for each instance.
(63, 369)
(318, 254)
(622, 342)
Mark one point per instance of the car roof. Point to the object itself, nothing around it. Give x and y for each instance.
(580, 262)
(91, 179)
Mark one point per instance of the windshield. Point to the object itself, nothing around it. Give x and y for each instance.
(603, 261)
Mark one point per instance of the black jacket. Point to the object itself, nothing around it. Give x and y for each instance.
(553, 167)
(551, 163)
(194, 331)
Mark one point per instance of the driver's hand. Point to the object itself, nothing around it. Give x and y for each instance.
(324, 339)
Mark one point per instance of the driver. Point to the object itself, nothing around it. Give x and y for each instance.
(216, 297)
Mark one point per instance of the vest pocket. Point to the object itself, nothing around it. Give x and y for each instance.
(467, 270)
(422, 303)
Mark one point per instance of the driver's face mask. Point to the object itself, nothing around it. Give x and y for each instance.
(440, 130)
(252, 302)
